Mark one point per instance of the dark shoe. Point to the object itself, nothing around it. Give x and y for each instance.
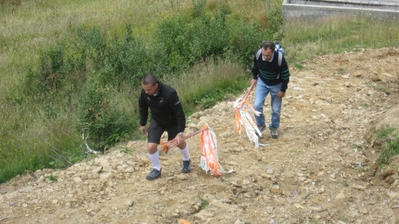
(154, 174)
(186, 167)
(274, 132)
(261, 128)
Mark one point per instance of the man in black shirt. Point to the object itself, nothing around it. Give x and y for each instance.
(166, 115)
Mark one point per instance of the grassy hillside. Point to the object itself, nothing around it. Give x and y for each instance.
(69, 67)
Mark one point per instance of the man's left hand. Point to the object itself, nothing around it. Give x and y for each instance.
(281, 94)
(179, 138)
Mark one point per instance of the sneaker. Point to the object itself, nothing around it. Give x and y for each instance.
(261, 129)
(154, 174)
(274, 132)
(186, 167)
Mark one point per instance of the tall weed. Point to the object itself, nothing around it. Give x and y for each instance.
(52, 144)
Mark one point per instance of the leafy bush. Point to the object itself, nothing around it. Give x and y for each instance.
(102, 120)
(85, 73)
(244, 41)
(119, 59)
(60, 68)
(201, 35)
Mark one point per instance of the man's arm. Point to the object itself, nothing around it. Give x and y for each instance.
(143, 109)
(284, 75)
(255, 70)
(178, 111)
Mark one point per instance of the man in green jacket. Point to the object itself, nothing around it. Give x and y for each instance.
(271, 75)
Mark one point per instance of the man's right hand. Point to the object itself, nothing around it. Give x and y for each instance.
(143, 130)
(253, 82)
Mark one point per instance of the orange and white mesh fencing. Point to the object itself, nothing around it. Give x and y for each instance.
(210, 153)
(244, 119)
(209, 160)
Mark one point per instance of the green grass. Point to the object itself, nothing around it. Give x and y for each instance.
(203, 204)
(53, 178)
(210, 84)
(44, 131)
(385, 133)
(336, 35)
(390, 145)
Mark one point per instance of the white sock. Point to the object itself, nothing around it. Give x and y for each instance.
(185, 152)
(155, 160)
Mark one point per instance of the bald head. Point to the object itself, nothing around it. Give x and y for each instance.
(149, 79)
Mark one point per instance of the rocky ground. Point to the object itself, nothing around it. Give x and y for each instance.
(322, 169)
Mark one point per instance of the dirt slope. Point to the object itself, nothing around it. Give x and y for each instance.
(322, 169)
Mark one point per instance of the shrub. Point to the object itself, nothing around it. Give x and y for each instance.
(201, 35)
(102, 120)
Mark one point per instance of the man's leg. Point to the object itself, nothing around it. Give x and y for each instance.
(154, 137)
(275, 103)
(183, 146)
(186, 158)
(153, 154)
(261, 92)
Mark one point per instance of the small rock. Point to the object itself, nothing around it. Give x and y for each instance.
(106, 176)
(239, 222)
(97, 170)
(358, 187)
(129, 202)
(129, 170)
(181, 177)
(375, 78)
(77, 179)
(387, 173)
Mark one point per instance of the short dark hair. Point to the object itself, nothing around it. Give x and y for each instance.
(267, 44)
(149, 79)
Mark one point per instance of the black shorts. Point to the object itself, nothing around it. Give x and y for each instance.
(155, 132)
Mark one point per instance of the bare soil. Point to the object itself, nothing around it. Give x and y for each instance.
(322, 169)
